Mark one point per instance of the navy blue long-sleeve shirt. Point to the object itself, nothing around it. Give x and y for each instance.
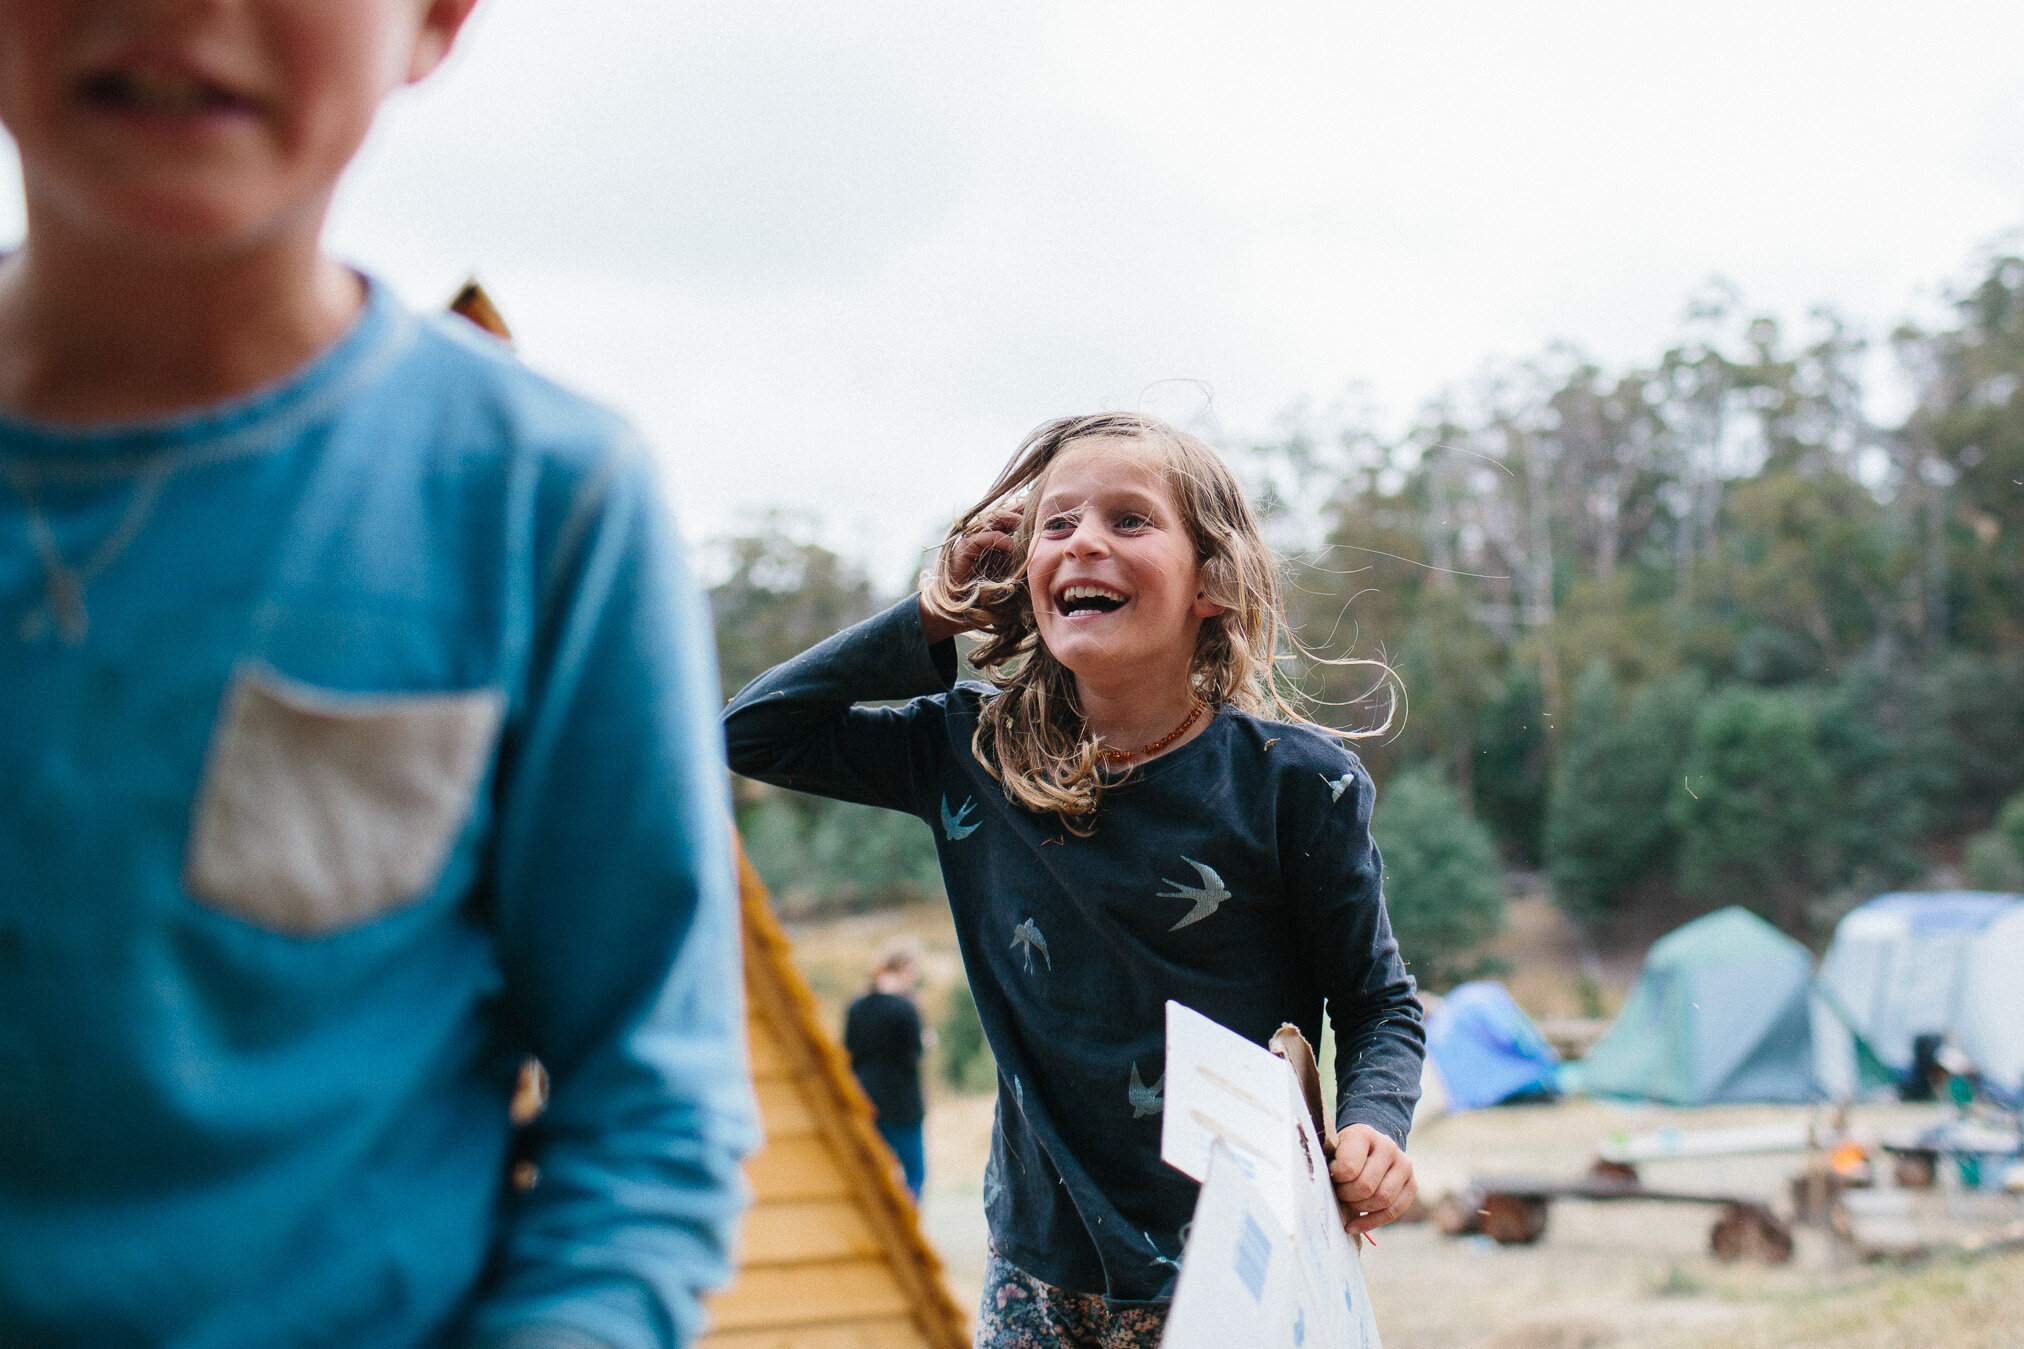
(1235, 874)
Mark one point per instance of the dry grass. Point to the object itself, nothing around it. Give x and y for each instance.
(1959, 1302)
(1605, 1276)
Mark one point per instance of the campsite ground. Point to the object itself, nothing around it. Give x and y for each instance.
(1635, 1275)
(1622, 1275)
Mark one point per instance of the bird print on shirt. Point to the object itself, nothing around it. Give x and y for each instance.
(1027, 935)
(959, 825)
(1337, 786)
(1159, 1259)
(1145, 1100)
(1207, 897)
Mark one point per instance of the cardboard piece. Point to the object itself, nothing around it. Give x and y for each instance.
(1267, 1261)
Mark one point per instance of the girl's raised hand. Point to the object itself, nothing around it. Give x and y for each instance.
(985, 550)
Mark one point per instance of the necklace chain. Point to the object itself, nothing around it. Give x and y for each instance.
(1113, 755)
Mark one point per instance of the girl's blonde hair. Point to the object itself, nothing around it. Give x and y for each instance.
(1031, 736)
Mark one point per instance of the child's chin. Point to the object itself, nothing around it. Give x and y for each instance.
(1086, 655)
(194, 214)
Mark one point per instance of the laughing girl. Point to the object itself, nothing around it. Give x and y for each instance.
(1131, 810)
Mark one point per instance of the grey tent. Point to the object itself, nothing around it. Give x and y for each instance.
(1905, 965)
(1719, 1014)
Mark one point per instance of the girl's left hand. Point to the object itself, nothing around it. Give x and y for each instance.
(1373, 1177)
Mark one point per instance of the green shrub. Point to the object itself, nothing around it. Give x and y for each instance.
(1508, 770)
(1607, 826)
(1977, 703)
(1756, 809)
(828, 857)
(1992, 862)
(1440, 878)
(2010, 822)
(1875, 737)
(967, 1064)
(1994, 859)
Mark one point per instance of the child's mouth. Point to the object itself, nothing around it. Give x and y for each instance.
(1088, 599)
(159, 93)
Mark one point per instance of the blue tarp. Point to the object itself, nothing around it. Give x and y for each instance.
(1487, 1049)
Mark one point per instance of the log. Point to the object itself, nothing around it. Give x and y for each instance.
(1513, 1220)
(1750, 1232)
(1455, 1214)
(1915, 1169)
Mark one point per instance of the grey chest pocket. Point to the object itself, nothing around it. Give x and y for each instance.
(320, 811)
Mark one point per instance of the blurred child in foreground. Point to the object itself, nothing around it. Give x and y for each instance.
(356, 726)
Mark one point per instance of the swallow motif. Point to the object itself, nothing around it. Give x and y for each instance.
(1027, 935)
(1145, 1100)
(959, 825)
(1207, 897)
(1337, 786)
(1159, 1259)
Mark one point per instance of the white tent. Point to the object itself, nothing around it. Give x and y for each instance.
(1905, 965)
(1995, 1033)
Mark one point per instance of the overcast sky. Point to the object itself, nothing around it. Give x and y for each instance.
(842, 256)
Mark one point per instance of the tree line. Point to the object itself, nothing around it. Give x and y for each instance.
(1706, 629)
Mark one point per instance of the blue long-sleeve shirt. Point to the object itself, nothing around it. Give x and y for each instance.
(357, 739)
(1235, 874)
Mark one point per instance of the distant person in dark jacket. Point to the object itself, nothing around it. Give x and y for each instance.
(882, 1031)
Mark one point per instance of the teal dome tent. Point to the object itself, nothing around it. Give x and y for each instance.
(1719, 1014)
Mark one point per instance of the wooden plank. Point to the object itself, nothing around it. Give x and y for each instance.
(1733, 1141)
(796, 1168)
(885, 1333)
(797, 1233)
(808, 1295)
(795, 1047)
(784, 1108)
(1528, 1187)
(769, 1057)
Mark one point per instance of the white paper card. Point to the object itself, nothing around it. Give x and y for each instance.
(1267, 1261)
(1246, 1282)
(1220, 1086)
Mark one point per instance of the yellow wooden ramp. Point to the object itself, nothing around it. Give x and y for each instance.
(832, 1255)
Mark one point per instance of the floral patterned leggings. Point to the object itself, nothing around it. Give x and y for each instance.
(1020, 1312)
